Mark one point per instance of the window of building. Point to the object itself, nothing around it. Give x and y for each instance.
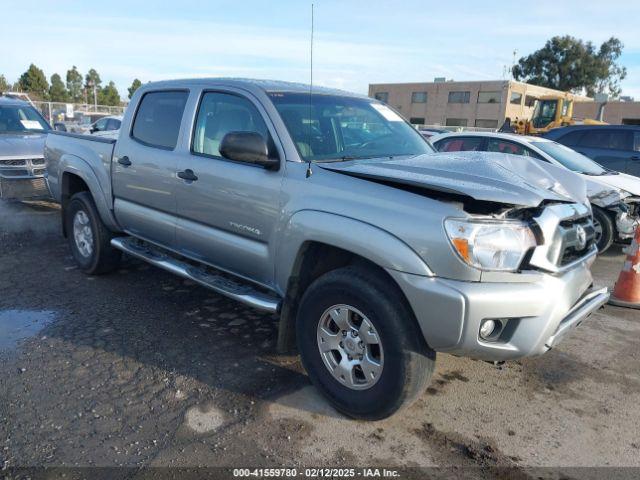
(456, 122)
(419, 97)
(459, 144)
(529, 101)
(382, 96)
(516, 98)
(416, 120)
(459, 97)
(486, 123)
(489, 97)
(221, 113)
(158, 118)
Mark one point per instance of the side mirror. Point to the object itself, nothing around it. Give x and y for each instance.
(93, 129)
(248, 147)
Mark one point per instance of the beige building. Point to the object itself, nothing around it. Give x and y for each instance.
(615, 113)
(469, 104)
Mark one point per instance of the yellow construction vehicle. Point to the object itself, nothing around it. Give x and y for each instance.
(552, 111)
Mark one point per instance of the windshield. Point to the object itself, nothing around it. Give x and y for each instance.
(544, 113)
(19, 118)
(345, 128)
(570, 158)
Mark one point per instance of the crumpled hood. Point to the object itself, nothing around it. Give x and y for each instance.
(16, 145)
(628, 183)
(494, 177)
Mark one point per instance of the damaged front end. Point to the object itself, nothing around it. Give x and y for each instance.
(623, 208)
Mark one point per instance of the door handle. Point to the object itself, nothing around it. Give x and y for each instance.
(188, 175)
(124, 161)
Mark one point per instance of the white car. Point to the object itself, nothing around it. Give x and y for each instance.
(614, 196)
(108, 127)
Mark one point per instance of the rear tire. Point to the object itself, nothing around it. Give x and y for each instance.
(605, 230)
(89, 238)
(392, 364)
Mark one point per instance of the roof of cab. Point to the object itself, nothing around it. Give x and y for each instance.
(4, 100)
(268, 86)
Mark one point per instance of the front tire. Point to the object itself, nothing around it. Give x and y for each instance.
(89, 238)
(361, 344)
(605, 230)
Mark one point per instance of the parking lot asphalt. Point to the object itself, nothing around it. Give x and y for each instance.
(140, 368)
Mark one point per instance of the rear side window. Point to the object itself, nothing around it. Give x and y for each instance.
(460, 144)
(609, 139)
(504, 146)
(158, 118)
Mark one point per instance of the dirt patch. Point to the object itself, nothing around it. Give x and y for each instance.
(478, 458)
(445, 379)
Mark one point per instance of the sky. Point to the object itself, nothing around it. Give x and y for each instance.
(356, 42)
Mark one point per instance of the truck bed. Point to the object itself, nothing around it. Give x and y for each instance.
(74, 152)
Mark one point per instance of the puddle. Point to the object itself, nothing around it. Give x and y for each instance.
(16, 325)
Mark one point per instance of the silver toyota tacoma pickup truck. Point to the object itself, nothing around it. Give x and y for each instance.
(332, 211)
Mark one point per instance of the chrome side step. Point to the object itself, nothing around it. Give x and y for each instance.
(220, 282)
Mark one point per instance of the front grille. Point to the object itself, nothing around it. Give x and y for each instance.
(14, 172)
(568, 236)
(22, 167)
(574, 247)
(12, 163)
(21, 189)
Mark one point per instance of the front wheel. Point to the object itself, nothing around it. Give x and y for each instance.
(361, 345)
(89, 238)
(605, 230)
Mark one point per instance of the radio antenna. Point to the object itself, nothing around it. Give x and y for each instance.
(309, 171)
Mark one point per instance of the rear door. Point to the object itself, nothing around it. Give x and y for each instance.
(228, 212)
(144, 168)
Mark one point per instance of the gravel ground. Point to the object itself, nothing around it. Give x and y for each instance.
(140, 368)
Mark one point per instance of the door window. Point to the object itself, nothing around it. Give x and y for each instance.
(572, 138)
(157, 122)
(504, 146)
(113, 124)
(460, 144)
(636, 141)
(101, 125)
(221, 113)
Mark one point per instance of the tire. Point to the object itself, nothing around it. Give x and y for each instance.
(605, 228)
(406, 362)
(89, 239)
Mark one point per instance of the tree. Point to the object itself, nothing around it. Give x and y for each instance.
(57, 90)
(136, 84)
(569, 64)
(91, 79)
(33, 81)
(109, 95)
(74, 84)
(4, 85)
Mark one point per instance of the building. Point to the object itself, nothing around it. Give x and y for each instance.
(615, 113)
(483, 104)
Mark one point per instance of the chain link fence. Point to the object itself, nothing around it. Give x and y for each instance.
(75, 113)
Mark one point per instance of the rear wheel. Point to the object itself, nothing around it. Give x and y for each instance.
(361, 345)
(605, 230)
(89, 238)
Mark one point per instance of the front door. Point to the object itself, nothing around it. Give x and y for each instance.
(144, 168)
(227, 211)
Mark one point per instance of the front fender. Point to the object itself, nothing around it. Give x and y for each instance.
(74, 165)
(364, 239)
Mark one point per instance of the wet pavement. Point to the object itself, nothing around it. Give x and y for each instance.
(140, 368)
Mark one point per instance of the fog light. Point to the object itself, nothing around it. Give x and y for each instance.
(487, 328)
